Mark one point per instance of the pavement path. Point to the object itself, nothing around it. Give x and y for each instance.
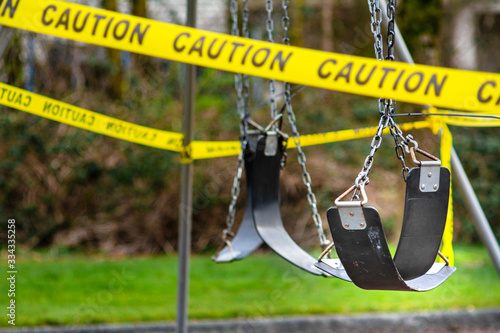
(475, 321)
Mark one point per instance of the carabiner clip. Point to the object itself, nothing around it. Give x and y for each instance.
(422, 152)
(361, 188)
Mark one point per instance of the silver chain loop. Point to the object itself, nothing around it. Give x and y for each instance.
(390, 105)
(306, 177)
(245, 33)
(242, 89)
(376, 18)
(363, 178)
(387, 107)
(235, 192)
(272, 83)
(391, 34)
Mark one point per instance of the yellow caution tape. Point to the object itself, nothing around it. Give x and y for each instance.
(65, 113)
(350, 134)
(446, 145)
(91, 121)
(442, 87)
(212, 149)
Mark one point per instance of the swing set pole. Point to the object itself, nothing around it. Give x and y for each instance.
(185, 214)
(481, 222)
(474, 207)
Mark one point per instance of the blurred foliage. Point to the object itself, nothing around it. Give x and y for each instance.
(78, 189)
(420, 23)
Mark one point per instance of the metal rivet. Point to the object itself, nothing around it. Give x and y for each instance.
(346, 225)
(423, 186)
(429, 174)
(361, 224)
(351, 213)
(435, 186)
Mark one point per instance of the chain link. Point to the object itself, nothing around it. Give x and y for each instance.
(242, 89)
(272, 83)
(269, 21)
(306, 177)
(390, 105)
(363, 178)
(399, 146)
(387, 107)
(245, 33)
(235, 192)
(285, 21)
(376, 18)
(391, 35)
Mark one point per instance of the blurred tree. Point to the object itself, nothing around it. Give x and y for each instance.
(13, 65)
(114, 88)
(142, 64)
(420, 24)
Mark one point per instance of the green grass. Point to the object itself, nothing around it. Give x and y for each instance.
(74, 289)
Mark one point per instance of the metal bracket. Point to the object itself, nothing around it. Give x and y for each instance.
(352, 216)
(271, 144)
(429, 176)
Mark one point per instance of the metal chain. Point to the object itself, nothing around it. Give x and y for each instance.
(285, 21)
(235, 192)
(399, 147)
(306, 177)
(387, 107)
(390, 105)
(269, 21)
(272, 83)
(376, 18)
(391, 35)
(362, 178)
(242, 90)
(245, 33)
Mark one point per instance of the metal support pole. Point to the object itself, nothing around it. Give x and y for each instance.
(185, 216)
(474, 207)
(459, 175)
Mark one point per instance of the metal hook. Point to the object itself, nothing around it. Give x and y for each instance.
(409, 139)
(278, 117)
(268, 127)
(446, 261)
(257, 126)
(422, 152)
(361, 188)
(326, 251)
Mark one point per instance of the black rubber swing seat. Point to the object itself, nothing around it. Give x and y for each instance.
(266, 206)
(362, 247)
(246, 240)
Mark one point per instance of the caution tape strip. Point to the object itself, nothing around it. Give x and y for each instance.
(211, 149)
(446, 146)
(88, 120)
(52, 109)
(442, 87)
(65, 113)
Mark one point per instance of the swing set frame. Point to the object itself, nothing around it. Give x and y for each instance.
(185, 219)
(460, 178)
